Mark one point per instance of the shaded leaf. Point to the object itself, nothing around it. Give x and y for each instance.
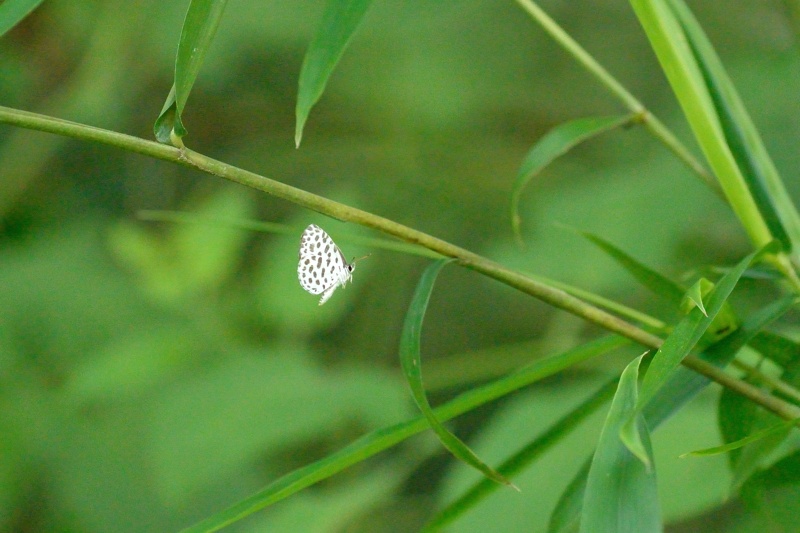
(199, 27)
(774, 494)
(566, 516)
(780, 427)
(554, 144)
(621, 493)
(661, 285)
(339, 23)
(410, 360)
(13, 11)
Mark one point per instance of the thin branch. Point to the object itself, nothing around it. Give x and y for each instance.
(547, 294)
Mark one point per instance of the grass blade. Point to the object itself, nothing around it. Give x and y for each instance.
(677, 346)
(658, 283)
(524, 457)
(383, 439)
(781, 427)
(671, 45)
(554, 144)
(13, 11)
(757, 167)
(199, 27)
(410, 341)
(621, 494)
(339, 23)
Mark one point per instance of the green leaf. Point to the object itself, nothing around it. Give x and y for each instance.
(773, 494)
(758, 170)
(661, 285)
(677, 346)
(199, 27)
(13, 11)
(554, 144)
(339, 23)
(781, 427)
(621, 493)
(781, 350)
(694, 296)
(521, 459)
(566, 516)
(682, 386)
(385, 438)
(677, 58)
(410, 360)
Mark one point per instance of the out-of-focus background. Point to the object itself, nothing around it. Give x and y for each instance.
(152, 373)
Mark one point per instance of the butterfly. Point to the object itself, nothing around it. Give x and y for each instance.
(322, 267)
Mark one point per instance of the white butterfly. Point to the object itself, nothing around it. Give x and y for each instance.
(322, 267)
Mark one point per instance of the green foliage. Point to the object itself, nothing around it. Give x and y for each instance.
(162, 370)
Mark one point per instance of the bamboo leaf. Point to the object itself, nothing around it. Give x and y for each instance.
(672, 47)
(621, 494)
(410, 360)
(13, 11)
(658, 283)
(199, 26)
(758, 169)
(781, 427)
(554, 144)
(521, 459)
(383, 439)
(339, 22)
(677, 346)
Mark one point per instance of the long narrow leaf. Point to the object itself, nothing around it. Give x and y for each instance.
(759, 171)
(524, 457)
(621, 494)
(382, 439)
(13, 11)
(410, 341)
(339, 23)
(199, 26)
(554, 144)
(781, 427)
(681, 387)
(677, 59)
(661, 285)
(677, 346)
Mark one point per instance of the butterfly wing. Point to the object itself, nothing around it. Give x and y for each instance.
(321, 266)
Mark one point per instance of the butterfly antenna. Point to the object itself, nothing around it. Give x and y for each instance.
(360, 258)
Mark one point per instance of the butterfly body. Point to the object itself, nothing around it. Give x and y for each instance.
(322, 268)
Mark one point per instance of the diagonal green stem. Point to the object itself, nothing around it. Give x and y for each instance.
(471, 260)
(653, 124)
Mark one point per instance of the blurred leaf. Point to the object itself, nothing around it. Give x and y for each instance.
(678, 61)
(677, 346)
(382, 439)
(339, 23)
(189, 258)
(661, 285)
(758, 170)
(128, 365)
(779, 349)
(774, 494)
(524, 457)
(199, 27)
(554, 144)
(255, 404)
(621, 493)
(566, 516)
(781, 426)
(13, 11)
(410, 360)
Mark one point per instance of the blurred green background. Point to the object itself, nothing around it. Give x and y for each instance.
(153, 373)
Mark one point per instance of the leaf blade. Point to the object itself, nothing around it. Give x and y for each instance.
(339, 23)
(13, 11)
(410, 360)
